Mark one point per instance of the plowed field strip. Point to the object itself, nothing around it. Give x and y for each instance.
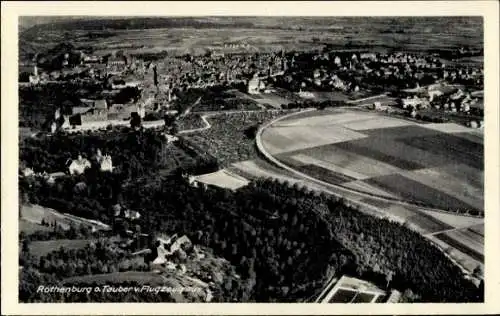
(347, 160)
(324, 174)
(468, 238)
(435, 178)
(455, 149)
(471, 137)
(418, 192)
(428, 223)
(305, 159)
(477, 229)
(401, 132)
(461, 247)
(473, 176)
(403, 151)
(378, 154)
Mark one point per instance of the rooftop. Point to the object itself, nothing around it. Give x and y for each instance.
(223, 179)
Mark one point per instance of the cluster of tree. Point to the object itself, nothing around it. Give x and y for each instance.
(92, 200)
(395, 82)
(227, 140)
(53, 268)
(217, 103)
(296, 239)
(187, 97)
(57, 232)
(430, 117)
(204, 162)
(313, 104)
(53, 58)
(406, 260)
(291, 245)
(37, 104)
(190, 121)
(97, 257)
(385, 253)
(99, 34)
(29, 281)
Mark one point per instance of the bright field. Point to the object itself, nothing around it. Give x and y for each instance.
(437, 166)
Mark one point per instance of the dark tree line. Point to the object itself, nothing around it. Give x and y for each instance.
(313, 104)
(283, 240)
(295, 236)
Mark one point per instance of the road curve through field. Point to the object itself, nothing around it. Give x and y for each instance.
(341, 190)
(347, 193)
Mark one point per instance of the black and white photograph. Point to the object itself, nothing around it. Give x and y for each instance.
(250, 159)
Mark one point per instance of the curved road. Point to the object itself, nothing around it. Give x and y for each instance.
(341, 189)
(343, 192)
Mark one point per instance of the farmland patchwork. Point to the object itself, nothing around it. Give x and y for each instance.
(439, 166)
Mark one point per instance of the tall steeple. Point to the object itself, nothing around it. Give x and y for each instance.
(155, 75)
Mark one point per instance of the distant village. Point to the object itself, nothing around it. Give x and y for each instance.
(418, 81)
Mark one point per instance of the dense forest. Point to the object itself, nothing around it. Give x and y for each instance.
(297, 238)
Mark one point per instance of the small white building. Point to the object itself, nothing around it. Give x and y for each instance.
(376, 106)
(141, 110)
(434, 93)
(106, 164)
(79, 166)
(370, 56)
(253, 85)
(171, 138)
(28, 172)
(306, 95)
(104, 161)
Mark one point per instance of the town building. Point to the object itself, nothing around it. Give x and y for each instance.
(125, 213)
(116, 64)
(92, 59)
(414, 102)
(104, 162)
(50, 178)
(78, 166)
(253, 85)
(35, 78)
(92, 111)
(28, 172)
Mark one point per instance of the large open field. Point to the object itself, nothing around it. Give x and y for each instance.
(362, 150)
(438, 167)
(196, 35)
(35, 214)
